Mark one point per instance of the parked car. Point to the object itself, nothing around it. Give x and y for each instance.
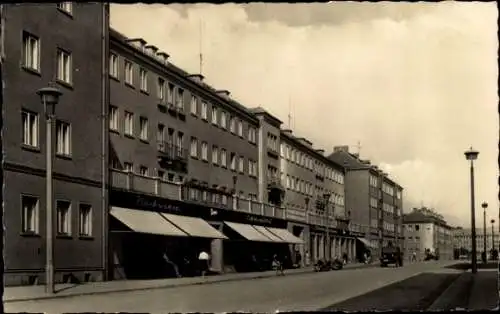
(391, 255)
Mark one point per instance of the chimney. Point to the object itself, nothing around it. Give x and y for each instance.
(163, 56)
(139, 43)
(343, 148)
(223, 93)
(150, 49)
(287, 132)
(198, 78)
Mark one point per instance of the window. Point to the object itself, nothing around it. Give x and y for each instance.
(66, 7)
(143, 171)
(194, 147)
(64, 66)
(129, 123)
(233, 161)
(160, 134)
(180, 141)
(143, 74)
(252, 138)
(85, 220)
(223, 158)
(113, 118)
(223, 120)
(204, 110)
(204, 151)
(113, 65)
(129, 73)
(144, 128)
(240, 128)
(241, 162)
(128, 167)
(63, 209)
(30, 214)
(30, 128)
(232, 125)
(214, 115)
(180, 99)
(417, 227)
(252, 168)
(170, 95)
(215, 155)
(161, 88)
(31, 57)
(63, 135)
(194, 105)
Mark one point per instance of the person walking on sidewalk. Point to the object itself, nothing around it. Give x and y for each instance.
(204, 259)
(277, 265)
(172, 264)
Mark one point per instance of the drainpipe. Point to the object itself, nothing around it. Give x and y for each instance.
(2, 58)
(105, 141)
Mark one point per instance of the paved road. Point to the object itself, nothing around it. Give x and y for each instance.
(285, 293)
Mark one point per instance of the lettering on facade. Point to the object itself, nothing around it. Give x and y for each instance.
(154, 204)
(259, 220)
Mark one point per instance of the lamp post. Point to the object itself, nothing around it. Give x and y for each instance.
(484, 205)
(49, 97)
(471, 155)
(492, 236)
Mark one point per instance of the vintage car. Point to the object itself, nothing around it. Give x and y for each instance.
(391, 255)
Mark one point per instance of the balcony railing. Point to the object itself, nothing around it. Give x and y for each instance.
(126, 180)
(172, 151)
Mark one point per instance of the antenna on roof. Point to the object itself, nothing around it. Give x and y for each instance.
(201, 46)
(290, 112)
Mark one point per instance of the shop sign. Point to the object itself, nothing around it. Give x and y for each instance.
(156, 205)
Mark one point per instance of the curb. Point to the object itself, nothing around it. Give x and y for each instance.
(167, 286)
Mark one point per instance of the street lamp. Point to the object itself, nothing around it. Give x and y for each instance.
(484, 205)
(49, 97)
(471, 155)
(492, 236)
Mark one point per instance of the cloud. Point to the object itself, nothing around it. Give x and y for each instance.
(415, 83)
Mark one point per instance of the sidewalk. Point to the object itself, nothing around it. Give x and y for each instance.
(470, 292)
(28, 293)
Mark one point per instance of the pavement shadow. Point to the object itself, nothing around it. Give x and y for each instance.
(416, 293)
(467, 265)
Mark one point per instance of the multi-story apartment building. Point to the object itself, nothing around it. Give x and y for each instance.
(462, 239)
(314, 198)
(39, 49)
(425, 230)
(373, 200)
(182, 149)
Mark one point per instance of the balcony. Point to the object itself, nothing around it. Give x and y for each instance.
(125, 180)
(172, 156)
(274, 182)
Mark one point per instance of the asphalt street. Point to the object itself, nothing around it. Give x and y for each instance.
(308, 292)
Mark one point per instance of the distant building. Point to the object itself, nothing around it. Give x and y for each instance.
(462, 239)
(424, 230)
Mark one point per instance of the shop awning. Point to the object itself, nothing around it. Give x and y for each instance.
(286, 235)
(269, 234)
(366, 242)
(193, 226)
(146, 222)
(248, 232)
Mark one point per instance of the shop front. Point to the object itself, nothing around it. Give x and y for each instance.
(300, 252)
(152, 237)
(330, 244)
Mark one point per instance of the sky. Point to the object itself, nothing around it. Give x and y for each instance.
(414, 83)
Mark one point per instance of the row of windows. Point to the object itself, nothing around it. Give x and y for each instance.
(302, 159)
(145, 172)
(31, 133)
(301, 186)
(389, 226)
(32, 55)
(388, 189)
(373, 181)
(220, 157)
(388, 208)
(30, 206)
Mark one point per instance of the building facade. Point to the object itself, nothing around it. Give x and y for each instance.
(426, 230)
(152, 164)
(39, 49)
(373, 199)
(462, 239)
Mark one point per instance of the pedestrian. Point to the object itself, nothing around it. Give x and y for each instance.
(308, 259)
(298, 259)
(414, 256)
(277, 265)
(172, 264)
(345, 258)
(204, 259)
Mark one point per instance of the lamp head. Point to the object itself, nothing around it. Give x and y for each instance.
(484, 205)
(49, 97)
(471, 154)
(492, 221)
